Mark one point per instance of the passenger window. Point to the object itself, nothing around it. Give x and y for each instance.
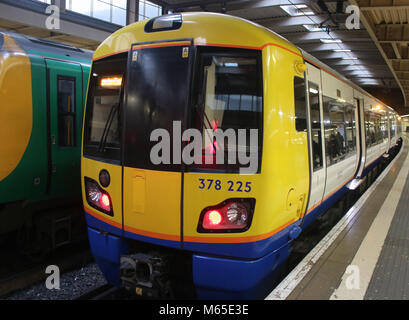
(300, 105)
(340, 130)
(384, 127)
(398, 128)
(66, 112)
(393, 125)
(314, 99)
(373, 128)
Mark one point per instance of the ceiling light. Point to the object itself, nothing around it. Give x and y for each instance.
(349, 58)
(331, 40)
(368, 81)
(342, 50)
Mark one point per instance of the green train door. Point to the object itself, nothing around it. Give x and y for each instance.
(64, 115)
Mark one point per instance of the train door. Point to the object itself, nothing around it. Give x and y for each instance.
(359, 114)
(64, 121)
(317, 160)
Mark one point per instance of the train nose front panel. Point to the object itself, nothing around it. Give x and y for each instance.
(151, 202)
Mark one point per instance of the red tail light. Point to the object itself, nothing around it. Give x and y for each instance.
(105, 202)
(232, 215)
(97, 197)
(212, 218)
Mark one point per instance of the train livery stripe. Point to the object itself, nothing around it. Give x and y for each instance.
(239, 239)
(130, 229)
(226, 46)
(99, 216)
(161, 44)
(191, 239)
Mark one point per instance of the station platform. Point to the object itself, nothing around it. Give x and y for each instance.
(366, 254)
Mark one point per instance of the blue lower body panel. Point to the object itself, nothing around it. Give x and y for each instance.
(107, 250)
(222, 278)
(213, 277)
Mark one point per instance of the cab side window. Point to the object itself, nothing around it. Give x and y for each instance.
(373, 128)
(314, 99)
(300, 105)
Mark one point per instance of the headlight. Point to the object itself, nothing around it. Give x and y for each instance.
(97, 197)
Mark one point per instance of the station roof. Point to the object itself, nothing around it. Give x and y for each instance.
(375, 56)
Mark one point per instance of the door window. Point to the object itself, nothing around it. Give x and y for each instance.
(314, 99)
(300, 105)
(66, 112)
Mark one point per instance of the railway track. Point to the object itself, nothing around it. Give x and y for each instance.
(21, 278)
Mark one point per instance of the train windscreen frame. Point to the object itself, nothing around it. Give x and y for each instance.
(227, 95)
(102, 125)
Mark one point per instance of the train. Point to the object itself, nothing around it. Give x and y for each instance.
(42, 92)
(163, 227)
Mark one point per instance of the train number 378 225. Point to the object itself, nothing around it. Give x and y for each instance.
(238, 186)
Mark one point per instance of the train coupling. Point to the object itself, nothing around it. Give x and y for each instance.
(145, 275)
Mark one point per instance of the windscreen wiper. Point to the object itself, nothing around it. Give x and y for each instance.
(108, 123)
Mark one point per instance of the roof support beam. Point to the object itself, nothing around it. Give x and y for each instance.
(394, 41)
(403, 7)
(300, 37)
(396, 50)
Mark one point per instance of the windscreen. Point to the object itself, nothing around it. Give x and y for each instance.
(156, 103)
(102, 131)
(229, 100)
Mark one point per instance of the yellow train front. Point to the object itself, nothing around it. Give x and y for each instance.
(158, 222)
